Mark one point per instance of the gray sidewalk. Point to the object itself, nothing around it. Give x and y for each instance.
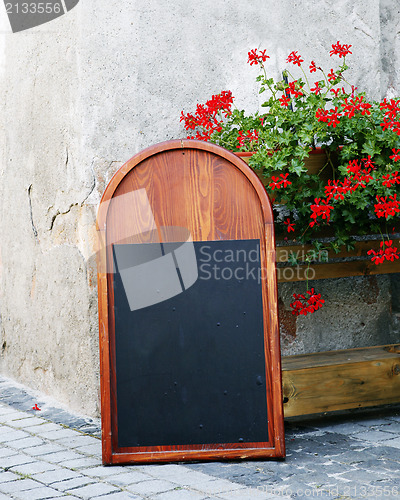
(54, 454)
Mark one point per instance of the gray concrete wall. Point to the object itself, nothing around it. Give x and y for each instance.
(83, 93)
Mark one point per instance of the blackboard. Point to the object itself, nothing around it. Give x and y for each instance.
(191, 369)
(188, 322)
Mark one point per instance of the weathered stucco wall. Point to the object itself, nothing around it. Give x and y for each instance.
(85, 92)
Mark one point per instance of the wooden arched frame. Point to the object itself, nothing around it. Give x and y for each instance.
(216, 196)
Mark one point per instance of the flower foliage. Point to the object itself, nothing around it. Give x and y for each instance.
(310, 109)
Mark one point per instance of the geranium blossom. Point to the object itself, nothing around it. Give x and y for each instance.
(320, 209)
(251, 137)
(294, 58)
(391, 179)
(331, 76)
(395, 156)
(303, 305)
(207, 115)
(331, 116)
(340, 50)
(284, 101)
(257, 57)
(386, 252)
(279, 182)
(385, 208)
(335, 190)
(317, 89)
(289, 225)
(293, 90)
(350, 106)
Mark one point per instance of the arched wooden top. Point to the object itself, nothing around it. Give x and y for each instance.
(179, 144)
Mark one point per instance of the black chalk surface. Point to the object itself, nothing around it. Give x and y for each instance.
(191, 370)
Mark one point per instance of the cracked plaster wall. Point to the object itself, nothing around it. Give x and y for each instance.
(82, 94)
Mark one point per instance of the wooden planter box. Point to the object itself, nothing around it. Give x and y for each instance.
(340, 380)
(344, 379)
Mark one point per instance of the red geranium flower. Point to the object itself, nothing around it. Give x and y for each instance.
(290, 225)
(294, 58)
(302, 305)
(313, 67)
(340, 50)
(257, 57)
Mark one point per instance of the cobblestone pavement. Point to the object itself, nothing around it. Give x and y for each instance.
(52, 453)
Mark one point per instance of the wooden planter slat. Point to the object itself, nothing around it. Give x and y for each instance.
(334, 269)
(360, 248)
(340, 380)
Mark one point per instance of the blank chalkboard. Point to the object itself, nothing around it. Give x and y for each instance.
(191, 369)
(189, 338)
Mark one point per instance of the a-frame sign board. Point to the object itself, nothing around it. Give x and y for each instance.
(189, 337)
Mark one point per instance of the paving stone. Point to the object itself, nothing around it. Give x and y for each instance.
(179, 494)
(217, 486)
(222, 470)
(371, 422)
(345, 428)
(44, 449)
(374, 436)
(93, 490)
(91, 449)
(44, 427)
(78, 440)
(12, 487)
(122, 495)
(10, 435)
(395, 443)
(67, 496)
(388, 426)
(131, 478)
(9, 417)
(5, 429)
(24, 423)
(80, 463)
(18, 459)
(166, 470)
(103, 471)
(59, 433)
(33, 468)
(21, 444)
(61, 456)
(383, 464)
(388, 452)
(71, 484)
(250, 494)
(7, 452)
(192, 478)
(5, 409)
(396, 418)
(5, 477)
(151, 487)
(44, 493)
(54, 476)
